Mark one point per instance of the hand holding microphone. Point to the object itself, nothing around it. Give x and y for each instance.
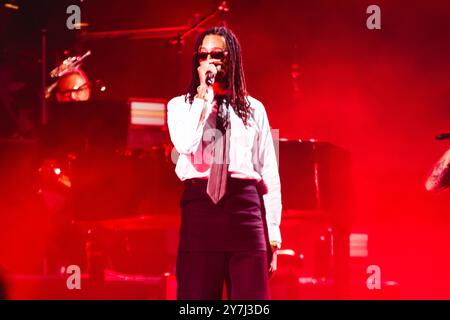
(210, 78)
(207, 74)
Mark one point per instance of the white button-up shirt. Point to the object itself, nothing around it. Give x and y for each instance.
(252, 153)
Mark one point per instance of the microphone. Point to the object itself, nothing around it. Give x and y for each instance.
(210, 78)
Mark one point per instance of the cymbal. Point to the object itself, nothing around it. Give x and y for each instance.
(439, 178)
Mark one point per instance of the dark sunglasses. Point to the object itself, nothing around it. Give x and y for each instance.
(217, 55)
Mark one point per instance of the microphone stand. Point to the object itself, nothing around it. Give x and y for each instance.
(223, 8)
(181, 33)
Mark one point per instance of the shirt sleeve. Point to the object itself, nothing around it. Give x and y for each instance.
(184, 124)
(268, 169)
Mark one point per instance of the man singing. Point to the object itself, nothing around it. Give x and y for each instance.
(231, 205)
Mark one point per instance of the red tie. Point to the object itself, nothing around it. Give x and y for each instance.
(217, 182)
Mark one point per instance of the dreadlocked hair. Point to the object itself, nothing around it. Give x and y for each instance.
(235, 77)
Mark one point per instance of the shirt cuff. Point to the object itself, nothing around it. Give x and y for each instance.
(275, 244)
(274, 234)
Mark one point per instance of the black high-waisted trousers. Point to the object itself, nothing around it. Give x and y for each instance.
(222, 243)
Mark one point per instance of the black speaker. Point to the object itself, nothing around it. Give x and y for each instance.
(314, 175)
